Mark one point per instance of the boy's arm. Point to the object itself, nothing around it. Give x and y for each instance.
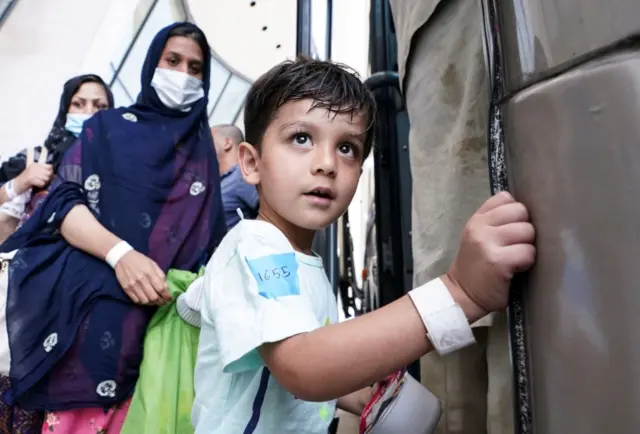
(336, 360)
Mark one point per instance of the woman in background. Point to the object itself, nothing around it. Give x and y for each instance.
(82, 96)
(137, 195)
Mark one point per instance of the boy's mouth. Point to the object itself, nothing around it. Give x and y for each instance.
(321, 193)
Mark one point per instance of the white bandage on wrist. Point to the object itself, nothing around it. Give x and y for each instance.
(446, 323)
(10, 190)
(117, 252)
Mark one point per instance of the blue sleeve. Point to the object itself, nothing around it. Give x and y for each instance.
(248, 194)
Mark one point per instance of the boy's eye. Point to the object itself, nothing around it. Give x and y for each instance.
(302, 139)
(347, 149)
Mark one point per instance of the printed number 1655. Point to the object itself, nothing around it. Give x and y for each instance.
(275, 273)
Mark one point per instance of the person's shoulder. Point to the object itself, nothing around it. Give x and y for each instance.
(106, 113)
(249, 239)
(261, 233)
(102, 117)
(240, 261)
(249, 232)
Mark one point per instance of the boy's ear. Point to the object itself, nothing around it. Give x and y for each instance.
(249, 162)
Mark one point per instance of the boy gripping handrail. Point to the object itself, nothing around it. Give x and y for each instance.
(273, 357)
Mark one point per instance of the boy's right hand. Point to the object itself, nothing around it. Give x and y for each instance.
(496, 243)
(35, 175)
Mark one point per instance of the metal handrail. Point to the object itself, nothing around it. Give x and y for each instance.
(383, 79)
(186, 10)
(6, 11)
(116, 73)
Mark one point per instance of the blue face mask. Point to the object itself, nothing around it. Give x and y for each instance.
(75, 121)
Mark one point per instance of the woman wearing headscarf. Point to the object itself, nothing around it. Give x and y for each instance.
(139, 194)
(82, 96)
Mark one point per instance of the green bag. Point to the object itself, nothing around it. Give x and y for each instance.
(164, 393)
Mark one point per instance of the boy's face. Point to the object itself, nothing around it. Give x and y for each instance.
(309, 165)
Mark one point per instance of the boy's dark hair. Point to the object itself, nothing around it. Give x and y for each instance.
(333, 86)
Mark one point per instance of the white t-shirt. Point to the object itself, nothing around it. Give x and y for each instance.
(257, 289)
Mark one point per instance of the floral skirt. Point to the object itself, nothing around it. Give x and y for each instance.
(87, 420)
(14, 420)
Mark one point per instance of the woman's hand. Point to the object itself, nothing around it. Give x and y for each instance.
(141, 279)
(35, 175)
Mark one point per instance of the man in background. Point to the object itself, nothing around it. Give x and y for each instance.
(236, 194)
(445, 83)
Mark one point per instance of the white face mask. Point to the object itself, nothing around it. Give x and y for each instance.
(176, 89)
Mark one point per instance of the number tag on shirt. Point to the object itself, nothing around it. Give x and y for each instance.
(276, 275)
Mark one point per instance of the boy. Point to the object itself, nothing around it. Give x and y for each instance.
(272, 357)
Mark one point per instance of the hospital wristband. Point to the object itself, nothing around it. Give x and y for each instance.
(447, 326)
(117, 252)
(10, 190)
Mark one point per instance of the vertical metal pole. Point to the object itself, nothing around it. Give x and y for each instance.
(303, 28)
(333, 269)
(332, 256)
(329, 34)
